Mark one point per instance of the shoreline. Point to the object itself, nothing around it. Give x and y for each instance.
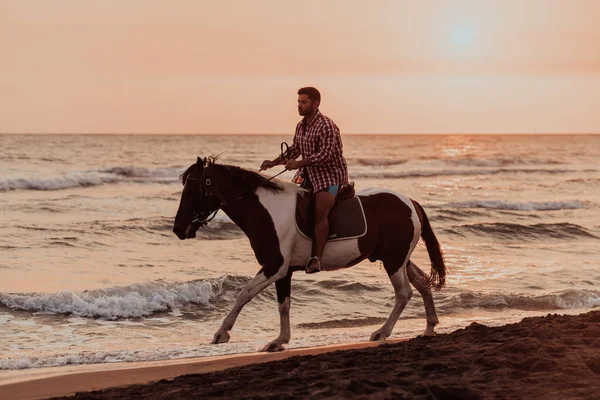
(550, 357)
(42, 383)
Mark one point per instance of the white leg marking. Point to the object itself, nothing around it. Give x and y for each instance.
(403, 293)
(285, 332)
(420, 280)
(258, 284)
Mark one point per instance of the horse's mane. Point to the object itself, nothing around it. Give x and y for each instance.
(250, 180)
(185, 174)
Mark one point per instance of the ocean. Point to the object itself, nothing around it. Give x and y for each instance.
(92, 273)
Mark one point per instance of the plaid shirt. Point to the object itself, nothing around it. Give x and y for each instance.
(321, 142)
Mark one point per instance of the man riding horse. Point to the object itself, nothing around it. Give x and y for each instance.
(322, 170)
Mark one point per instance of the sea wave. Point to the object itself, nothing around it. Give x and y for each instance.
(102, 357)
(133, 301)
(415, 173)
(364, 169)
(66, 181)
(75, 179)
(376, 162)
(343, 323)
(500, 162)
(141, 172)
(520, 231)
(220, 228)
(563, 300)
(519, 206)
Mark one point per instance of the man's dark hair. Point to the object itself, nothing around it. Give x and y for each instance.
(312, 93)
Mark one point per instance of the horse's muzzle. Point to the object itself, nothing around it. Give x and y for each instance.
(180, 232)
(189, 232)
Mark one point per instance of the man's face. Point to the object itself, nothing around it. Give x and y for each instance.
(305, 105)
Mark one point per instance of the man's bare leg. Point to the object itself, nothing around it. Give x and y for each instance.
(324, 202)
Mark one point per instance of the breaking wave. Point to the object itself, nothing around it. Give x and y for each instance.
(133, 301)
(519, 206)
(376, 162)
(385, 174)
(512, 231)
(564, 300)
(93, 178)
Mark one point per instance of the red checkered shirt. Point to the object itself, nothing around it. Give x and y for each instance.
(322, 143)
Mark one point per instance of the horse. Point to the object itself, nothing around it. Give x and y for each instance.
(264, 209)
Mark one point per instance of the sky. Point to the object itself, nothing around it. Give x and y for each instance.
(234, 66)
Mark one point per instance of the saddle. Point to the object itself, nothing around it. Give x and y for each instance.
(346, 219)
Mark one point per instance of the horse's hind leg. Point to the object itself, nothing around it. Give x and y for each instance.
(284, 288)
(403, 293)
(420, 280)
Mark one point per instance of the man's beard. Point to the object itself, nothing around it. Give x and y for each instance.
(304, 113)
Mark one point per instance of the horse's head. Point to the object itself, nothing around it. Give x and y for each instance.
(197, 202)
(209, 186)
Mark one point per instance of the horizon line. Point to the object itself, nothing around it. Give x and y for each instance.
(282, 134)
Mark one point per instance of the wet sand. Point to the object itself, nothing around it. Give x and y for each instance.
(552, 357)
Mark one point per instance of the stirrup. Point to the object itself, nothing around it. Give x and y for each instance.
(312, 271)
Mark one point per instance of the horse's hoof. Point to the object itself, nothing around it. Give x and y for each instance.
(273, 347)
(377, 337)
(429, 333)
(220, 337)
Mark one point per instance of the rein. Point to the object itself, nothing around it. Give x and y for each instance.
(275, 176)
(283, 156)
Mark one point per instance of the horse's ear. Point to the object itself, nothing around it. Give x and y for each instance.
(199, 164)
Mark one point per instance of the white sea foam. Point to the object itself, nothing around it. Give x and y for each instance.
(400, 173)
(92, 178)
(377, 162)
(564, 300)
(519, 206)
(498, 162)
(113, 356)
(156, 354)
(60, 182)
(141, 172)
(137, 300)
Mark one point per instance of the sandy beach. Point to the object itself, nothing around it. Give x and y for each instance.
(551, 357)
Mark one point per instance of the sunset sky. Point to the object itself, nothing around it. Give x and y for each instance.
(234, 66)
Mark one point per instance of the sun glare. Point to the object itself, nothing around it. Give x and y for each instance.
(462, 36)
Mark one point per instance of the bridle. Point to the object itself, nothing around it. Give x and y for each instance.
(207, 195)
(285, 155)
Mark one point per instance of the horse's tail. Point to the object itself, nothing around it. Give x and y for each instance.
(437, 279)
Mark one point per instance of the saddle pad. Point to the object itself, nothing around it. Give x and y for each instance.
(346, 220)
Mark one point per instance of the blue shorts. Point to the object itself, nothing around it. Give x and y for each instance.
(334, 190)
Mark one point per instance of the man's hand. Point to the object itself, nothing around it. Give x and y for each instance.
(267, 164)
(293, 164)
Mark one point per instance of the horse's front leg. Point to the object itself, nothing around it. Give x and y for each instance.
(284, 288)
(256, 285)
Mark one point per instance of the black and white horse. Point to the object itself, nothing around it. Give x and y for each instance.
(265, 211)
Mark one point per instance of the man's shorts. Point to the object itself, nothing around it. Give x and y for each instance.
(334, 190)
